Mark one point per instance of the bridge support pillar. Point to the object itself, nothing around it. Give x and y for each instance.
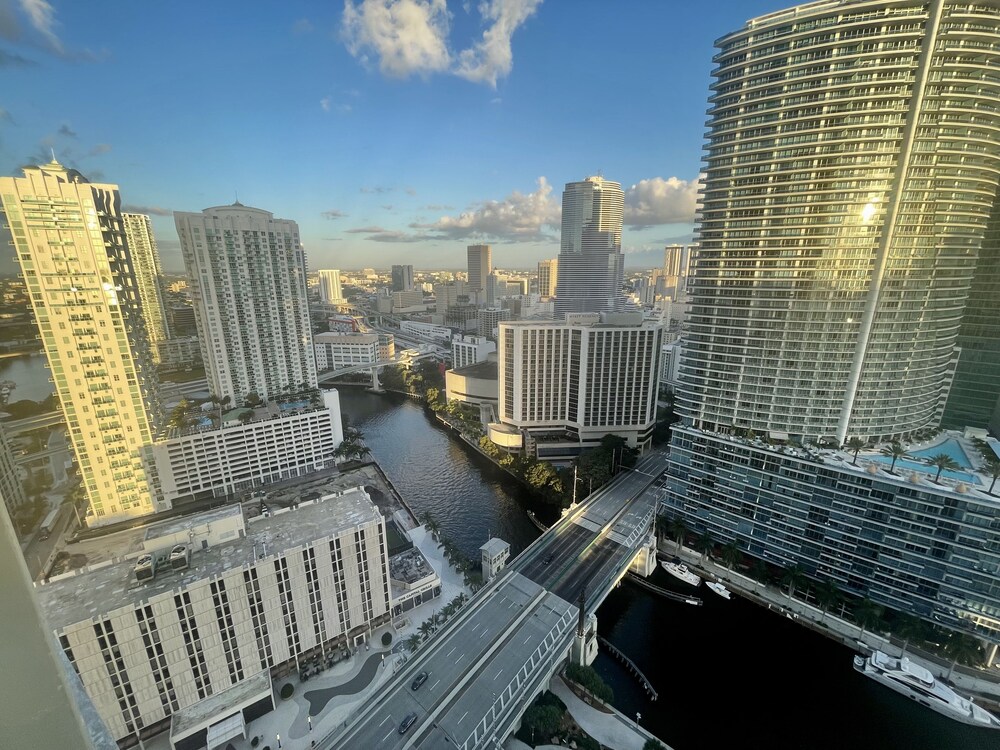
(376, 386)
(584, 649)
(644, 563)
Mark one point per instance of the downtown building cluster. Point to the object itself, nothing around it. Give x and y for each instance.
(847, 243)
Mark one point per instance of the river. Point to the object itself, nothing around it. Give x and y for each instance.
(30, 376)
(729, 674)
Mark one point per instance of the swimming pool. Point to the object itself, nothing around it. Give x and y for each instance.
(950, 447)
(906, 465)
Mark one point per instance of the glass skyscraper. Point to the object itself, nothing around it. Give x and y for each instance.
(851, 169)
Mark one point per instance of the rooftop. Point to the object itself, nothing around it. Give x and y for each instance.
(208, 709)
(101, 588)
(482, 370)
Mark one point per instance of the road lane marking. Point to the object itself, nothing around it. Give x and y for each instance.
(450, 652)
(385, 720)
(463, 717)
(388, 735)
(435, 684)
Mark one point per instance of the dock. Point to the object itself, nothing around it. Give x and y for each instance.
(673, 596)
(630, 665)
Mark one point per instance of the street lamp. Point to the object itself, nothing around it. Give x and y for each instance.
(637, 717)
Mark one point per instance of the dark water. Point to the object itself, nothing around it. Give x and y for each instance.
(30, 376)
(729, 674)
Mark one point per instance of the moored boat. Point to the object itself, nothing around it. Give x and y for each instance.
(679, 570)
(719, 589)
(914, 681)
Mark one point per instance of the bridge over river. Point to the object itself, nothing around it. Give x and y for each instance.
(488, 662)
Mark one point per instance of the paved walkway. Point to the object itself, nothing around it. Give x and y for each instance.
(612, 730)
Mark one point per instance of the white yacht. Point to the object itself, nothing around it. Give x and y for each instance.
(916, 682)
(679, 570)
(719, 589)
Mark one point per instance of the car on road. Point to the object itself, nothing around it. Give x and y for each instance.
(408, 722)
(419, 680)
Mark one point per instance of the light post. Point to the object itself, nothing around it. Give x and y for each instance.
(637, 717)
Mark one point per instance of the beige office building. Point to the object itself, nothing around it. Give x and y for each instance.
(69, 237)
(146, 263)
(218, 602)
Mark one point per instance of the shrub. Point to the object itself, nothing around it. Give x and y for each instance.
(653, 745)
(588, 678)
(254, 742)
(386, 638)
(286, 691)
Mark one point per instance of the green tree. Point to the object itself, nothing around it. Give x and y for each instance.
(652, 744)
(963, 648)
(541, 722)
(992, 467)
(855, 445)
(793, 577)
(413, 643)
(588, 678)
(731, 555)
(909, 628)
(895, 451)
(943, 462)
(704, 544)
(678, 530)
(827, 595)
(868, 615)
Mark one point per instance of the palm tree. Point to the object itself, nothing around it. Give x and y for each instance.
(759, 572)
(678, 530)
(413, 642)
(731, 555)
(963, 648)
(868, 615)
(942, 461)
(793, 577)
(704, 544)
(827, 594)
(895, 451)
(909, 628)
(662, 527)
(855, 444)
(992, 468)
(425, 628)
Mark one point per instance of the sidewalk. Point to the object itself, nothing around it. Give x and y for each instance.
(612, 730)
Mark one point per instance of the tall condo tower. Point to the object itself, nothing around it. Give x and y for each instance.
(591, 264)
(548, 275)
(69, 236)
(673, 256)
(248, 285)
(480, 266)
(330, 292)
(146, 260)
(402, 278)
(852, 165)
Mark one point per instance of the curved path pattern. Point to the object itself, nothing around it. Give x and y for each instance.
(319, 698)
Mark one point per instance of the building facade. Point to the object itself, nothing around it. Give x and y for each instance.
(425, 330)
(248, 286)
(587, 377)
(489, 319)
(835, 310)
(11, 486)
(275, 444)
(180, 352)
(146, 263)
(469, 350)
(548, 275)
(330, 291)
(151, 637)
(402, 278)
(480, 266)
(591, 264)
(336, 350)
(69, 237)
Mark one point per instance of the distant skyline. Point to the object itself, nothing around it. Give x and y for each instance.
(391, 131)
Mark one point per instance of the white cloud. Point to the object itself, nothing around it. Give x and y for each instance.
(325, 103)
(661, 201)
(333, 214)
(43, 17)
(517, 218)
(491, 57)
(408, 36)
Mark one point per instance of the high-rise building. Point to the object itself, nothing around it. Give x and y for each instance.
(975, 388)
(548, 273)
(838, 245)
(146, 262)
(450, 293)
(402, 278)
(571, 383)
(673, 257)
(248, 286)
(591, 264)
(834, 311)
(11, 487)
(330, 292)
(480, 266)
(70, 241)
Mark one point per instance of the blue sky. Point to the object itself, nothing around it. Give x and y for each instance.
(392, 131)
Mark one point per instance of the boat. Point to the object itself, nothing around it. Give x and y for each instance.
(679, 570)
(719, 589)
(914, 681)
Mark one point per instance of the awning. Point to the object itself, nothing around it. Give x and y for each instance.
(225, 730)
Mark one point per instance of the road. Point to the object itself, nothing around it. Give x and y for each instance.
(516, 628)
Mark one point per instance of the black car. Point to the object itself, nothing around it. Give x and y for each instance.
(408, 722)
(419, 680)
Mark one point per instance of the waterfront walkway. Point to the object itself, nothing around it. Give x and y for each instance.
(612, 730)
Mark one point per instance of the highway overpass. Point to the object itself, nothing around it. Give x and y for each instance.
(488, 662)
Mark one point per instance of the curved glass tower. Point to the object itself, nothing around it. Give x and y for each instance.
(852, 163)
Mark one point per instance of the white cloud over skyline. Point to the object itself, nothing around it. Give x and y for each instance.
(410, 37)
(661, 201)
